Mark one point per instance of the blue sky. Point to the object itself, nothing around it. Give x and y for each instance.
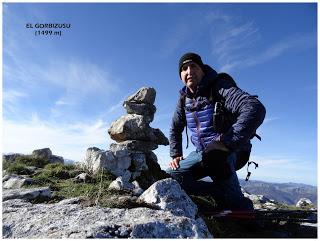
(63, 92)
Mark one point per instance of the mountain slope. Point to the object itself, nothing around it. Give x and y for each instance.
(288, 193)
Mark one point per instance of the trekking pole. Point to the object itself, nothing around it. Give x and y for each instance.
(281, 215)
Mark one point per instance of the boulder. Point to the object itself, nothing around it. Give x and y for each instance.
(261, 202)
(14, 181)
(96, 159)
(44, 153)
(139, 161)
(22, 220)
(122, 183)
(83, 177)
(154, 173)
(133, 146)
(304, 203)
(143, 95)
(151, 156)
(26, 194)
(144, 109)
(161, 139)
(135, 127)
(56, 159)
(168, 195)
(74, 200)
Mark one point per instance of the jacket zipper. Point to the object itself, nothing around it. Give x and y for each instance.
(198, 129)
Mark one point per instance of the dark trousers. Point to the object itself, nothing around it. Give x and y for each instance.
(220, 167)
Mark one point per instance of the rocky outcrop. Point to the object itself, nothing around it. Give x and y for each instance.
(44, 153)
(74, 221)
(15, 181)
(168, 195)
(135, 140)
(261, 202)
(304, 203)
(173, 217)
(11, 157)
(26, 194)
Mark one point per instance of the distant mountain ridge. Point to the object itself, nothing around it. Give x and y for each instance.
(288, 193)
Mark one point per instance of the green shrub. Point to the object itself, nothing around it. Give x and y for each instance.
(6, 165)
(30, 160)
(104, 175)
(52, 171)
(52, 166)
(17, 168)
(69, 189)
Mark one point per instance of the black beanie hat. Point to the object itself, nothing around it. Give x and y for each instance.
(188, 57)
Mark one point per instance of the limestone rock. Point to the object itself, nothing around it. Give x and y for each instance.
(23, 220)
(74, 200)
(143, 95)
(26, 194)
(131, 127)
(261, 202)
(154, 173)
(139, 161)
(96, 159)
(56, 159)
(44, 153)
(168, 195)
(10, 157)
(151, 156)
(133, 146)
(122, 183)
(161, 139)
(83, 177)
(135, 127)
(14, 181)
(304, 202)
(144, 109)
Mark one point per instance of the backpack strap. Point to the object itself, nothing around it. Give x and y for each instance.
(183, 104)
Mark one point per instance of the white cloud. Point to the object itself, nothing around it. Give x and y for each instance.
(67, 140)
(11, 96)
(234, 37)
(59, 81)
(292, 43)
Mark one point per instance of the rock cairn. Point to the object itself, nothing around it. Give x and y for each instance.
(131, 157)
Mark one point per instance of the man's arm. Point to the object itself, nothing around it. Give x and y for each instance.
(177, 125)
(249, 111)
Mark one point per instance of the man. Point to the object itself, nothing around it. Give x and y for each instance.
(222, 119)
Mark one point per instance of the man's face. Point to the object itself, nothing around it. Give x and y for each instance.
(191, 75)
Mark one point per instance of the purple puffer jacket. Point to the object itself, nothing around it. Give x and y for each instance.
(244, 114)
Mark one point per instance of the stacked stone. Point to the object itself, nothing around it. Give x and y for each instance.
(132, 131)
(131, 157)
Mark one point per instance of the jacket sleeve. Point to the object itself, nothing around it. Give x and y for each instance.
(247, 109)
(177, 125)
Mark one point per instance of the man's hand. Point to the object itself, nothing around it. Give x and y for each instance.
(174, 164)
(216, 145)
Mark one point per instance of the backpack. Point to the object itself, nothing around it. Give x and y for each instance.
(219, 117)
